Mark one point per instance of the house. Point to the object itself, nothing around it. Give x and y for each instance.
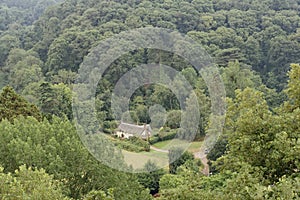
(126, 130)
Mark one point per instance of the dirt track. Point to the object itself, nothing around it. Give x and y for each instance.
(202, 156)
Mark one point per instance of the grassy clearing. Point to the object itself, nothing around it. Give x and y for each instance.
(193, 147)
(138, 160)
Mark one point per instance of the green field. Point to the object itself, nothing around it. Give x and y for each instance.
(192, 147)
(138, 160)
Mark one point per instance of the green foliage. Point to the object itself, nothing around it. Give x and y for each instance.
(140, 142)
(167, 134)
(236, 77)
(130, 117)
(109, 126)
(154, 139)
(255, 140)
(23, 68)
(191, 185)
(189, 167)
(133, 144)
(23, 12)
(7, 43)
(286, 188)
(216, 152)
(163, 96)
(65, 77)
(178, 157)
(142, 114)
(150, 179)
(192, 125)
(99, 194)
(164, 135)
(173, 119)
(293, 90)
(261, 160)
(56, 147)
(27, 183)
(12, 105)
(128, 146)
(169, 181)
(55, 100)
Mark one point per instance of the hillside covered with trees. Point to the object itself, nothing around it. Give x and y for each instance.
(256, 47)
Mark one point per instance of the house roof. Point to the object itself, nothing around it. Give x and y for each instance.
(134, 129)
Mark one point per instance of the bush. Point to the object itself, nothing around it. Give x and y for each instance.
(169, 135)
(154, 140)
(165, 134)
(128, 146)
(139, 142)
(133, 144)
(109, 126)
(178, 157)
(174, 119)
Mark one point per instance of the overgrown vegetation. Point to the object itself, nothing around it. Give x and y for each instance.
(256, 45)
(133, 144)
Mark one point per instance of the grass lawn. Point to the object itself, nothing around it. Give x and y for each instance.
(138, 160)
(193, 147)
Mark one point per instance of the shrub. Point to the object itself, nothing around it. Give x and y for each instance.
(128, 146)
(133, 144)
(109, 126)
(164, 134)
(167, 135)
(178, 157)
(173, 119)
(154, 140)
(139, 142)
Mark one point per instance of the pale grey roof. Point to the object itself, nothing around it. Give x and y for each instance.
(136, 130)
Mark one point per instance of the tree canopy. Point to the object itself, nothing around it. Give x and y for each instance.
(255, 46)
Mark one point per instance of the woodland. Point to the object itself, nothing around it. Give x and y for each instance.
(256, 47)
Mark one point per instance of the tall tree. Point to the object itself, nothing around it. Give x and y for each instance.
(150, 178)
(13, 105)
(27, 183)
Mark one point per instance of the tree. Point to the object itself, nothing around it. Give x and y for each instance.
(57, 148)
(173, 119)
(12, 105)
(178, 157)
(7, 42)
(28, 183)
(293, 90)
(55, 100)
(150, 179)
(158, 116)
(191, 125)
(216, 152)
(47, 99)
(252, 52)
(99, 194)
(238, 76)
(225, 56)
(65, 77)
(142, 114)
(164, 97)
(24, 72)
(259, 138)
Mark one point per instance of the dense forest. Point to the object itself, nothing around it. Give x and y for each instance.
(256, 47)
